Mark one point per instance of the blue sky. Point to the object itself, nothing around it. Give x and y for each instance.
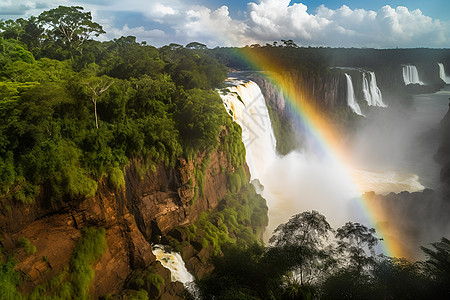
(375, 23)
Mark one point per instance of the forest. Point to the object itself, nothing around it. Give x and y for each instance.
(75, 111)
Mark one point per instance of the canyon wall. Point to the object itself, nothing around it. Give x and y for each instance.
(151, 204)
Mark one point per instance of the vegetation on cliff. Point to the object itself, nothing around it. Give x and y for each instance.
(76, 110)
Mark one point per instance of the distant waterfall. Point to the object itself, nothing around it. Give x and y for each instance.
(371, 92)
(442, 74)
(410, 75)
(351, 101)
(249, 110)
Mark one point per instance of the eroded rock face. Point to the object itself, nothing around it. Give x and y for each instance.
(146, 207)
(443, 154)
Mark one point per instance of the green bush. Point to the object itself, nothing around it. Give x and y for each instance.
(9, 280)
(26, 245)
(156, 281)
(90, 247)
(116, 178)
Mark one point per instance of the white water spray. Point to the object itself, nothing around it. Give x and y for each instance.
(351, 101)
(442, 73)
(176, 266)
(410, 75)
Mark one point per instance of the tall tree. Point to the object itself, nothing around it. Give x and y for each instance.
(71, 25)
(353, 241)
(303, 237)
(95, 87)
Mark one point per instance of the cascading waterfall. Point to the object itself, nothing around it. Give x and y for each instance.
(377, 98)
(177, 268)
(351, 101)
(442, 73)
(249, 109)
(366, 89)
(410, 75)
(295, 182)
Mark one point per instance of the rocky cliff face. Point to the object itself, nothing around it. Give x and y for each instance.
(443, 154)
(148, 206)
(326, 92)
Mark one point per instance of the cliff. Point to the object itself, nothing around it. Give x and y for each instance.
(150, 205)
(443, 154)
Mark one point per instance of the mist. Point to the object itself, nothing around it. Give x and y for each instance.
(404, 139)
(392, 151)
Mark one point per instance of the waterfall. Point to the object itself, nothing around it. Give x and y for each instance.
(410, 75)
(303, 179)
(377, 98)
(249, 110)
(292, 183)
(351, 101)
(366, 89)
(442, 74)
(371, 92)
(178, 272)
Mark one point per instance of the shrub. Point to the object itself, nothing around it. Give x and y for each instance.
(26, 245)
(9, 279)
(90, 247)
(116, 178)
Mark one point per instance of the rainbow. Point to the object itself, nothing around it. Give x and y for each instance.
(327, 139)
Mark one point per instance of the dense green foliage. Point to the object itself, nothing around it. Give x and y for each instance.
(9, 278)
(302, 263)
(240, 219)
(146, 280)
(73, 109)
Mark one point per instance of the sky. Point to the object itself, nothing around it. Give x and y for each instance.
(334, 23)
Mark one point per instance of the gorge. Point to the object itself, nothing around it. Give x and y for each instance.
(182, 164)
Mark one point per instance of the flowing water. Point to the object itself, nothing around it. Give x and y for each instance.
(411, 75)
(351, 99)
(178, 272)
(442, 74)
(371, 91)
(392, 153)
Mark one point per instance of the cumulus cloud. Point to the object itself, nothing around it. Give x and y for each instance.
(213, 27)
(387, 27)
(264, 21)
(270, 20)
(22, 8)
(140, 32)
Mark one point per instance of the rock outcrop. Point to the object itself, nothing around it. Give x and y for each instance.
(443, 154)
(151, 204)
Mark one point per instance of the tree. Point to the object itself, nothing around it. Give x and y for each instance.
(439, 259)
(354, 239)
(12, 29)
(302, 238)
(71, 25)
(196, 46)
(95, 87)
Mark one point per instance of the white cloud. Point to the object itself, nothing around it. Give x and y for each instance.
(212, 27)
(264, 21)
(388, 27)
(152, 36)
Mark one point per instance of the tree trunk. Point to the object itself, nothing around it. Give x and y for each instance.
(95, 112)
